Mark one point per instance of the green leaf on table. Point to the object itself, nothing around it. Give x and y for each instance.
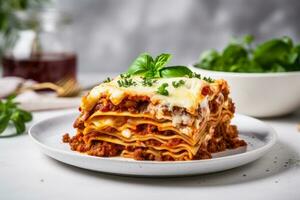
(11, 114)
(4, 120)
(26, 116)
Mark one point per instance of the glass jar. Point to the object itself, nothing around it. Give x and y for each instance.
(43, 49)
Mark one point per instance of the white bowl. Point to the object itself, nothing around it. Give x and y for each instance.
(261, 94)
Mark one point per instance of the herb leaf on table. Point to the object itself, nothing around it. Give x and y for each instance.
(10, 113)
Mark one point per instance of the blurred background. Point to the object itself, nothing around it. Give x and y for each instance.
(108, 34)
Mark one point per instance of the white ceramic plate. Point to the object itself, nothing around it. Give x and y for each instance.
(47, 135)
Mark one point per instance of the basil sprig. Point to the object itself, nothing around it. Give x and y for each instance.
(11, 114)
(149, 67)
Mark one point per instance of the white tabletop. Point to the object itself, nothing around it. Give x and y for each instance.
(26, 173)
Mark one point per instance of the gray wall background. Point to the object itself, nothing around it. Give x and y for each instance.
(109, 34)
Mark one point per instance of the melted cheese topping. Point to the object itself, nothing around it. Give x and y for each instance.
(186, 96)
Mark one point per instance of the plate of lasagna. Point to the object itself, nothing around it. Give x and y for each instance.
(155, 120)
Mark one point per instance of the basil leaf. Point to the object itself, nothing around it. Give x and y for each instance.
(275, 55)
(272, 51)
(19, 125)
(248, 39)
(18, 122)
(10, 113)
(175, 71)
(277, 68)
(4, 120)
(141, 64)
(233, 54)
(208, 58)
(161, 61)
(288, 41)
(26, 116)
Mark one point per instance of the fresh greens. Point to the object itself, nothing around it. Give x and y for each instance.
(107, 80)
(148, 81)
(198, 76)
(175, 71)
(149, 67)
(162, 89)
(11, 114)
(178, 83)
(126, 81)
(275, 55)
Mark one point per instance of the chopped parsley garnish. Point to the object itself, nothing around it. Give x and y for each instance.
(208, 79)
(162, 89)
(195, 75)
(148, 81)
(107, 80)
(178, 84)
(126, 83)
(125, 75)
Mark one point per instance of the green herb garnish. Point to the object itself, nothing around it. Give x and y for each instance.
(208, 79)
(107, 80)
(178, 84)
(126, 82)
(11, 114)
(125, 75)
(162, 89)
(149, 67)
(148, 81)
(195, 75)
(275, 55)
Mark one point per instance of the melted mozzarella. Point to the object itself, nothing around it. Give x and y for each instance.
(186, 96)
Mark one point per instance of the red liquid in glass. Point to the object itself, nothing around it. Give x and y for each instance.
(41, 67)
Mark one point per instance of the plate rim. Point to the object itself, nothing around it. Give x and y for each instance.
(263, 149)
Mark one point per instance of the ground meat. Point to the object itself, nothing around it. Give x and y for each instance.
(202, 154)
(138, 154)
(79, 123)
(66, 138)
(105, 149)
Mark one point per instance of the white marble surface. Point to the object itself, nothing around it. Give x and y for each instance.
(25, 173)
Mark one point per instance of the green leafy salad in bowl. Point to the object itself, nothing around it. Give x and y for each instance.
(241, 55)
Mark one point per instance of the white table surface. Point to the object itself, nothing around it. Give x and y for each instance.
(26, 173)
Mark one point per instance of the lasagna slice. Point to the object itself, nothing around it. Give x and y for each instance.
(171, 119)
